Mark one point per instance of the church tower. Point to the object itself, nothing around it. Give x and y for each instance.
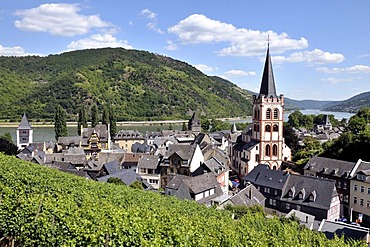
(268, 121)
(24, 133)
(194, 124)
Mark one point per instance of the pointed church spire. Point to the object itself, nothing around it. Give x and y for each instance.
(234, 129)
(268, 82)
(24, 124)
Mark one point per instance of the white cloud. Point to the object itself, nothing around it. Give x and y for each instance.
(334, 80)
(171, 46)
(364, 55)
(98, 41)
(198, 28)
(353, 69)
(205, 68)
(11, 51)
(238, 73)
(152, 25)
(60, 19)
(148, 14)
(315, 56)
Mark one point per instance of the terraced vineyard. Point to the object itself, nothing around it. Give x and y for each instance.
(44, 207)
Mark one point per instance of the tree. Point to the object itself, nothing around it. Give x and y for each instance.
(94, 116)
(7, 136)
(60, 124)
(105, 116)
(184, 128)
(136, 185)
(82, 119)
(8, 147)
(117, 181)
(291, 139)
(294, 119)
(112, 121)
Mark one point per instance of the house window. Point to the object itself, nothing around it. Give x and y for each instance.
(142, 170)
(268, 114)
(268, 150)
(298, 208)
(211, 192)
(255, 114)
(275, 192)
(257, 157)
(274, 150)
(368, 190)
(361, 202)
(355, 187)
(153, 181)
(345, 198)
(368, 204)
(354, 200)
(276, 113)
(275, 128)
(362, 189)
(290, 193)
(300, 195)
(272, 202)
(266, 190)
(345, 185)
(258, 187)
(268, 128)
(287, 206)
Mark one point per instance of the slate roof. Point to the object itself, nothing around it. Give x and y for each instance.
(67, 140)
(148, 161)
(248, 196)
(268, 82)
(176, 181)
(305, 219)
(138, 147)
(185, 152)
(24, 124)
(240, 146)
(331, 228)
(363, 167)
(337, 168)
(214, 166)
(264, 176)
(202, 183)
(100, 129)
(129, 135)
(112, 167)
(159, 141)
(128, 176)
(322, 189)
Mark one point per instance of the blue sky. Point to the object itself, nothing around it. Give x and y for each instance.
(320, 49)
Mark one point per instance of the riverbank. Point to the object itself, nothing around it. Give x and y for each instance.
(119, 124)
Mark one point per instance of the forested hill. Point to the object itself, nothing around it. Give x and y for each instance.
(353, 104)
(138, 84)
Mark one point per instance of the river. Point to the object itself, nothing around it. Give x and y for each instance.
(41, 134)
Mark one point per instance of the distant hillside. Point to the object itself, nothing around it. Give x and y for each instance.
(140, 85)
(291, 104)
(352, 104)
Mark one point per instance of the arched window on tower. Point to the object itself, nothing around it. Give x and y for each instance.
(258, 114)
(255, 114)
(268, 150)
(276, 113)
(257, 128)
(268, 128)
(275, 128)
(268, 114)
(274, 150)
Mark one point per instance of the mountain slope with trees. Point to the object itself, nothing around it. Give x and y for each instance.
(138, 84)
(353, 104)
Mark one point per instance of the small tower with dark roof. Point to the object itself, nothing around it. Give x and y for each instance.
(24, 133)
(268, 120)
(194, 124)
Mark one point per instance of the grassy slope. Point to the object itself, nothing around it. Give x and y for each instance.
(45, 207)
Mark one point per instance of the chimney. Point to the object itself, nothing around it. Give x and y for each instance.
(306, 219)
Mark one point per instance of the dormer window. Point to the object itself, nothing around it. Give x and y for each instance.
(301, 194)
(291, 192)
(361, 177)
(312, 196)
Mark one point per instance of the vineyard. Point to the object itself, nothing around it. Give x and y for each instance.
(44, 207)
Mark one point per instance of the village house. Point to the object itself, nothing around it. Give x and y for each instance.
(126, 138)
(338, 170)
(94, 140)
(24, 133)
(148, 169)
(285, 191)
(202, 188)
(359, 201)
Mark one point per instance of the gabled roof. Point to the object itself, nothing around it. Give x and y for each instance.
(148, 161)
(337, 168)
(194, 121)
(112, 167)
(264, 176)
(322, 191)
(67, 140)
(185, 152)
(248, 196)
(268, 83)
(332, 228)
(128, 176)
(24, 124)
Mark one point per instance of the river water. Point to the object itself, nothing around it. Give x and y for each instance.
(41, 134)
